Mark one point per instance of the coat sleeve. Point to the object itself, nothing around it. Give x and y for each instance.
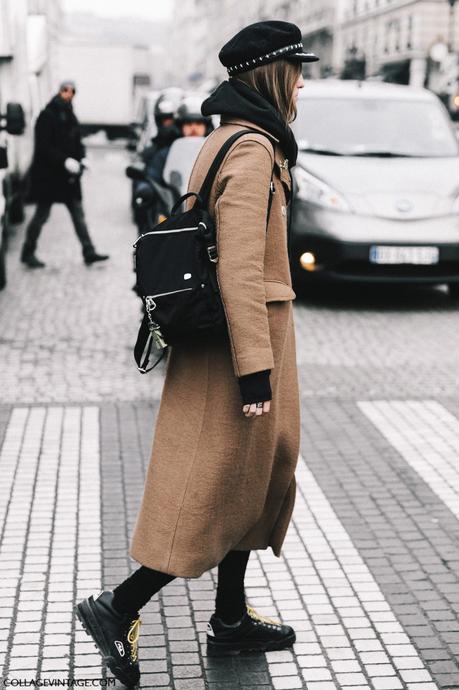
(241, 207)
(81, 148)
(44, 141)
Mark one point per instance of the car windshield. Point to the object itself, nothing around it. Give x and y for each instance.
(373, 126)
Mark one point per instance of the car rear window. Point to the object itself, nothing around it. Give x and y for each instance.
(358, 125)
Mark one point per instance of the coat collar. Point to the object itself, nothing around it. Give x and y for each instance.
(279, 154)
(229, 120)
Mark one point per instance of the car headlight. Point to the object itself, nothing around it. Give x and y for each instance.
(311, 189)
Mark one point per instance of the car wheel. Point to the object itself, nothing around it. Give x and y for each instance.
(453, 289)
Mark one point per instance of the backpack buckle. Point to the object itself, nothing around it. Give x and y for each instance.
(150, 304)
(212, 253)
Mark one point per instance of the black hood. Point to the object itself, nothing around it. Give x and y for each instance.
(236, 99)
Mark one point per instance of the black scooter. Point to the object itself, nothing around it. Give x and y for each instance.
(151, 201)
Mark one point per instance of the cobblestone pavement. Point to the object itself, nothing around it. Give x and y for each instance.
(369, 575)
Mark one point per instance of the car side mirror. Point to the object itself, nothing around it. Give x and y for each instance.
(3, 158)
(14, 119)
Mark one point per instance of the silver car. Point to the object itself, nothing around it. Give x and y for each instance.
(376, 185)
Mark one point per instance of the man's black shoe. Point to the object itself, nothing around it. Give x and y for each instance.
(31, 261)
(92, 258)
(116, 635)
(252, 633)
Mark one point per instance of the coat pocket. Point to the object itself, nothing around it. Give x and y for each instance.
(278, 292)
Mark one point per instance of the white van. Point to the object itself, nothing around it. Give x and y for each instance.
(24, 79)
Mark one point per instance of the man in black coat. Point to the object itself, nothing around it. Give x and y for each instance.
(58, 161)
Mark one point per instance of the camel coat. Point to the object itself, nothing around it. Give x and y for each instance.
(218, 480)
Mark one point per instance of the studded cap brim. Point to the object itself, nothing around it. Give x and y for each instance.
(304, 57)
(287, 52)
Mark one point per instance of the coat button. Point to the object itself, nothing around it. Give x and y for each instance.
(284, 210)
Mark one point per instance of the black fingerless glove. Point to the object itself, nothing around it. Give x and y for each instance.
(255, 387)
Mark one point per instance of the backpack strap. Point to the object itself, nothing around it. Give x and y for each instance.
(145, 337)
(206, 186)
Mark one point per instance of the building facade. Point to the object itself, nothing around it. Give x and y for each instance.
(201, 27)
(386, 39)
(395, 37)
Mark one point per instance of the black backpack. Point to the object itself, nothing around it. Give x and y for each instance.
(176, 273)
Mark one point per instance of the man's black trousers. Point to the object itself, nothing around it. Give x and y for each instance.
(40, 217)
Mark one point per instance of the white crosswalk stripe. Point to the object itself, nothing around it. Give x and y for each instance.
(426, 435)
(50, 505)
(345, 624)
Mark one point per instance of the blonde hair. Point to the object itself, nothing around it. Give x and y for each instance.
(275, 82)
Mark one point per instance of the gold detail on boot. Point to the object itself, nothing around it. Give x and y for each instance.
(264, 619)
(133, 637)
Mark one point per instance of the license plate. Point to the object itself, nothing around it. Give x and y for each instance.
(387, 254)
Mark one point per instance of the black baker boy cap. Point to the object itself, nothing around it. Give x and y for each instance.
(263, 42)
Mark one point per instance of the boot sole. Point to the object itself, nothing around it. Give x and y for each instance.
(92, 628)
(233, 648)
(33, 267)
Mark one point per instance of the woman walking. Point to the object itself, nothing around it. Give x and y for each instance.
(221, 480)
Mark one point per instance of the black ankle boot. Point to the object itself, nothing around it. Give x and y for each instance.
(252, 633)
(92, 258)
(115, 634)
(32, 261)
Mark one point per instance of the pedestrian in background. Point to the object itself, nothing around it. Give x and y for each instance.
(221, 480)
(57, 165)
(154, 156)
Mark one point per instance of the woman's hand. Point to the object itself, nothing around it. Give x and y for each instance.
(256, 409)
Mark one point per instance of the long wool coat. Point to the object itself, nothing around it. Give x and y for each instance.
(218, 480)
(57, 137)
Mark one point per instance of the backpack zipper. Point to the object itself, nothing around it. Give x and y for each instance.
(149, 299)
(161, 232)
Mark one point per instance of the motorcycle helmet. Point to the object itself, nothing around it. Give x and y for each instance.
(167, 104)
(189, 110)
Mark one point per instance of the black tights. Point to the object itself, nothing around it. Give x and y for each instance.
(138, 588)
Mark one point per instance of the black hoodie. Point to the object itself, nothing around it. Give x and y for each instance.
(236, 99)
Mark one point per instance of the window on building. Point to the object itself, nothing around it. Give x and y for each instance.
(397, 34)
(387, 31)
(409, 33)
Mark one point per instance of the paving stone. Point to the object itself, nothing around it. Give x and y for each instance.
(283, 669)
(190, 684)
(386, 684)
(287, 683)
(350, 679)
(311, 674)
